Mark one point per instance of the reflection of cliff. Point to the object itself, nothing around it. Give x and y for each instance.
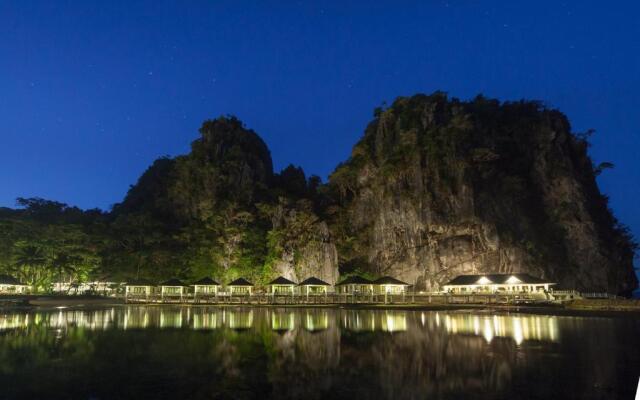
(304, 360)
(422, 362)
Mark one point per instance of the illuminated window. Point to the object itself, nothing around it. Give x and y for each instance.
(483, 281)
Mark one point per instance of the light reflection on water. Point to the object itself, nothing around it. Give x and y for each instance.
(313, 353)
(517, 327)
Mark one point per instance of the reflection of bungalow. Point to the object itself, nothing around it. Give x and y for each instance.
(281, 285)
(136, 317)
(239, 319)
(518, 327)
(358, 320)
(204, 318)
(355, 285)
(316, 320)
(389, 285)
(10, 285)
(282, 321)
(394, 321)
(205, 287)
(138, 287)
(171, 318)
(496, 283)
(240, 287)
(172, 288)
(313, 286)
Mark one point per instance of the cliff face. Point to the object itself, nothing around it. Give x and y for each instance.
(302, 244)
(439, 187)
(435, 188)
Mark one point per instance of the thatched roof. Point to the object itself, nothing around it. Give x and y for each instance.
(354, 280)
(240, 282)
(281, 280)
(313, 281)
(206, 282)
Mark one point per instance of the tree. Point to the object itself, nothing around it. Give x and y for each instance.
(65, 264)
(31, 266)
(601, 167)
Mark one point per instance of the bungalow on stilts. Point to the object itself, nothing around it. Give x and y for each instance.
(497, 284)
(138, 288)
(205, 288)
(281, 286)
(173, 288)
(314, 287)
(240, 287)
(388, 286)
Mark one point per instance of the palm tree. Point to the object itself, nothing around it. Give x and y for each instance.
(64, 263)
(31, 265)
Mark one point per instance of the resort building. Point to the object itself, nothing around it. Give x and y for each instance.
(10, 285)
(281, 286)
(138, 287)
(205, 287)
(172, 288)
(313, 286)
(497, 283)
(389, 285)
(240, 287)
(355, 285)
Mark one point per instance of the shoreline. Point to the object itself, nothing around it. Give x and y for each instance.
(595, 308)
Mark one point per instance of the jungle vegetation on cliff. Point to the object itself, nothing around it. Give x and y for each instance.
(436, 187)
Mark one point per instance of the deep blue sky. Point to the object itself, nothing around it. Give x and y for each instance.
(92, 92)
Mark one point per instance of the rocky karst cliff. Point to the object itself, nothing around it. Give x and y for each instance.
(436, 187)
(226, 213)
(439, 187)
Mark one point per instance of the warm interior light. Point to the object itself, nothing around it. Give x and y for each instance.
(483, 281)
(513, 279)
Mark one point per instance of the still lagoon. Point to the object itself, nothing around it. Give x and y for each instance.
(176, 352)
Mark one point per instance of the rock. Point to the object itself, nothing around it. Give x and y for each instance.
(439, 187)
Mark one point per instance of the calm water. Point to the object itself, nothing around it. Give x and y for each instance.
(141, 352)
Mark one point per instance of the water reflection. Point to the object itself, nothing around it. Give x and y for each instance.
(238, 319)
(316, 320)
(517, 327)
(283, 321)
(371, 321)
(206, 319)
(313, 353)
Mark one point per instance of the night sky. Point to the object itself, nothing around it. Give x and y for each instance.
(92, 92)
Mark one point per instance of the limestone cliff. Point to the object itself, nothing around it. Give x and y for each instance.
(304, 245)
(224, 212)
(439, 187)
